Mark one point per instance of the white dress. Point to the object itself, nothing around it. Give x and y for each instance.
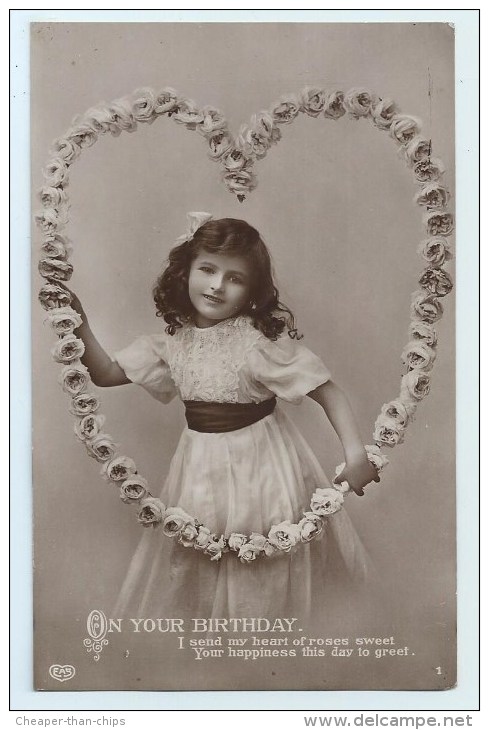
(240, 481)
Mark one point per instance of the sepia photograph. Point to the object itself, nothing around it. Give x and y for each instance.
(243, 335)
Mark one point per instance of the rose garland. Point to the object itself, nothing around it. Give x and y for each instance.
(237, 156)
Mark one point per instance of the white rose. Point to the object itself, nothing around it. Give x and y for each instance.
(99, 118)
(284, 536)
(143, 105)
(383, 113)
(89, 426)
(67, 349)
(56, 269)
(203, 538)
(285, 110)
(312, 100)
(56, 172)
(216, 547)
(187, 112)
(415, 386)
(213, 120)
(423, 331)
(256, 545)
(428, 170)
(334, 107)
(66, 150)
(122, 117)
(52, 296)
(234, 160)
(63, 320)
(264, 126)
(310, 526)
(50, 220)
(236, 540)
(174, 520)
(404, 128)
(249, 552)
(251, 144)
(426, 307)
(418, 354)
(387, 431)
(101, 447)
(82, 134)
(417, 149)
(220, 142)
(358, 102)
(56, 246)
(119, 469)
(433, 196)
(396, 411)
(52, 197)
(188, 534)
(166, 101)
(151, 512)
(437, 281)
(240, 183)
(133, 490)
(84, 403)
(261, 542)
(326, 501)
(74, 379)
(435, 250)
(438, 223)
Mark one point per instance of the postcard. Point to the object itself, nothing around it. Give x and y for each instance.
(243, 331)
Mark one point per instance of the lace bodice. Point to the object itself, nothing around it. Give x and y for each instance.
(231, 362)
(205, 363)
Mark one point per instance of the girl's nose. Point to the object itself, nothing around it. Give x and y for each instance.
(217, 282)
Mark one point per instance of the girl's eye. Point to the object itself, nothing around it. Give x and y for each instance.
(236, 279)
(207, 269)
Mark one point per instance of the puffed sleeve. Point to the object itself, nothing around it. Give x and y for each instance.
(143, 361)
(287, 368)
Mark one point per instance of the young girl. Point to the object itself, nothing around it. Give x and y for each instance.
(228, 351)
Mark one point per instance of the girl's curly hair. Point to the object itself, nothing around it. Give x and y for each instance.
(231, 237)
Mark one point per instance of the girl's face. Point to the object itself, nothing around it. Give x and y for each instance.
(218, 287)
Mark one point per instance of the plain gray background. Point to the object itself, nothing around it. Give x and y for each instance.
(334, 204)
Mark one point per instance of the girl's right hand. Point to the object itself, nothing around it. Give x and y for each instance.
(104, 372)
(75, 302)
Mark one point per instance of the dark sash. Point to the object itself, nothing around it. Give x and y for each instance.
(222, 417)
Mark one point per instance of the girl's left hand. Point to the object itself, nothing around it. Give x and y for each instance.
(358, 472)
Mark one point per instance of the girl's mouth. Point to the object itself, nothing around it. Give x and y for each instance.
(215, 300)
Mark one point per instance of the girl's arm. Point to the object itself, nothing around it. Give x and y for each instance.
(103, 371)
(358, 471)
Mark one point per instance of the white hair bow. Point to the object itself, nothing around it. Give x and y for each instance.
(194, 222)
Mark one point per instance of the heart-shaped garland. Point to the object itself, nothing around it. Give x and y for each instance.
(237, 156)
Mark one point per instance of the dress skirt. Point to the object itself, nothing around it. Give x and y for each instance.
(244, 481)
